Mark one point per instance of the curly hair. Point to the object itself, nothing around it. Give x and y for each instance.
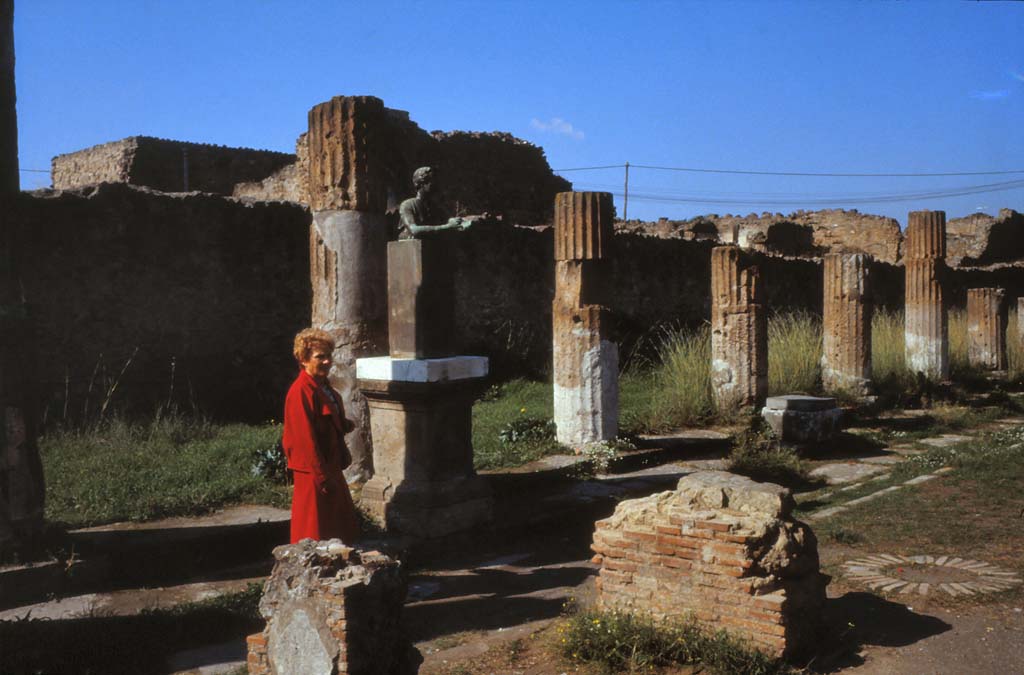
(307, 339)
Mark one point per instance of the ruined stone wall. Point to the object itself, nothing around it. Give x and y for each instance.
(288, 184)
(106, 163)
(161, 164)
(975, 240)
(981, 239)
(495, 172)
(802, 233)
(204, 288)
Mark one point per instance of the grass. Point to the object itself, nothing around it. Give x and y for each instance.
(139, 644)
(794, 354)
(888, 353)
(622, 642)
(173, 465)
(983, 496)
(503, 408)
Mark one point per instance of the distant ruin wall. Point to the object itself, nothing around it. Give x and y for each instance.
(204, 288)
(166, 165)
(975, 240)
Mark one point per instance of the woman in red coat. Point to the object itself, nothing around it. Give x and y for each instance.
(314, 444)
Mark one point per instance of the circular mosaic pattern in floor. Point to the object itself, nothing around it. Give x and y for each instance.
(923, 574)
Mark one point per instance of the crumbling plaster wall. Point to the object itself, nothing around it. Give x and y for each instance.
(209, 287)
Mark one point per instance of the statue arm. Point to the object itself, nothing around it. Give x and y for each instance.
(452, 224)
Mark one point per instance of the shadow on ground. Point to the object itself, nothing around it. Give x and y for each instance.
(858, 619)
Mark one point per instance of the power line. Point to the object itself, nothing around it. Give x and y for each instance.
(805, 174)
(872, 199)
(35, 170)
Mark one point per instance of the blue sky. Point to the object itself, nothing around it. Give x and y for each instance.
(824, 87)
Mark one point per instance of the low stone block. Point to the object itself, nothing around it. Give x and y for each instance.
(331, 610)
(802, 419)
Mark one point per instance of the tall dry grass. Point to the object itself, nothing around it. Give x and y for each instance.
(794, 353)
(683, 379)
(888, 354)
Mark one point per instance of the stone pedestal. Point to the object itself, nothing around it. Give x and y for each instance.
(331, 610)
(802, 419)
(739, 331)
(987, 316)
(846, 357)
(348, 240)
(926, 328)
(585, 360)
(421, 296)
(421, 416)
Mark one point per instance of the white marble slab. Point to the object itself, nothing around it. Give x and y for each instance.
(421, 370)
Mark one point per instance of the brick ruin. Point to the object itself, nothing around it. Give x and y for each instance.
(721, 549)
(331, 610)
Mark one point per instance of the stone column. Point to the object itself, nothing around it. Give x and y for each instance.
(987, 317)
(348, 247)
(22, 490)
(585, 359)
(1020, 320)
(739, 331)
(846, 358)
(926, 329)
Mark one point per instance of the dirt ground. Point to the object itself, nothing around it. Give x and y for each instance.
(496, 611)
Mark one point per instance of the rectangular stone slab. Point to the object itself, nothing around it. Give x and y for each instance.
(800, 403)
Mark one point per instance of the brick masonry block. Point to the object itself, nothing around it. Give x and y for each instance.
(711, 548)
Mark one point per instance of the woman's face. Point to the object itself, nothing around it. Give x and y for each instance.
(318, 365)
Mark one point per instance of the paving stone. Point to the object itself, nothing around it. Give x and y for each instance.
(884, 460)
(845, 472)
(946, 440)
(920, 479)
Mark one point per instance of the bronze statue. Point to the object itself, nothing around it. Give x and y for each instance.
(422, 215)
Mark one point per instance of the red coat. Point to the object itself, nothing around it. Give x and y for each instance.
(314, 444)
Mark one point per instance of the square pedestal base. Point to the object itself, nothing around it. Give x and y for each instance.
(424, 484)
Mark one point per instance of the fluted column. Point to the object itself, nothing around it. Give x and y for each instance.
(926, 328)
(846, 358)
(986, 328)
(348, 247)
(739, 333)
(585, 359)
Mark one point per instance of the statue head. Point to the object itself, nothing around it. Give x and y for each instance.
(423, 178)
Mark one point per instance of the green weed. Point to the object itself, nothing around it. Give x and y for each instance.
(621, 642)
